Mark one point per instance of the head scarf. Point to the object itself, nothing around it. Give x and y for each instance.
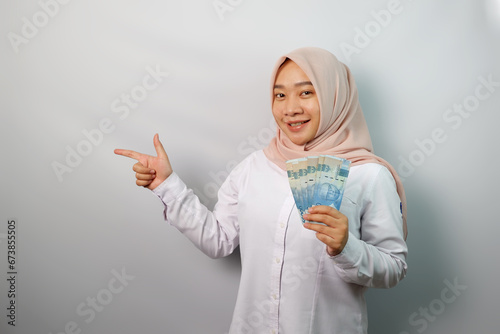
(342, 130)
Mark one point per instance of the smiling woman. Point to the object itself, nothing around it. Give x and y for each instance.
(295, 104)
(316, 108)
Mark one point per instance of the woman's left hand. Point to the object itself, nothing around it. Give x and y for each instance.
(336, 232)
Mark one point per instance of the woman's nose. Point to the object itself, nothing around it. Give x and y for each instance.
(293, 107)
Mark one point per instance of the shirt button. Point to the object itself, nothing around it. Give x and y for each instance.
(278, 260)
(282, 225)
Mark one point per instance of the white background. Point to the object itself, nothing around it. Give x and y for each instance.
(76, 230)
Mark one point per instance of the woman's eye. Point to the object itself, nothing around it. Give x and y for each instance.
(307, 92)
(279, 95)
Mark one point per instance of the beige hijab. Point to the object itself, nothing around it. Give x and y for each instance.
(342, 129)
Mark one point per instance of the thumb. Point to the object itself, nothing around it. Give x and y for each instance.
(160, 151)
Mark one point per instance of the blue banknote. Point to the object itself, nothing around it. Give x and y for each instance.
(317, 180)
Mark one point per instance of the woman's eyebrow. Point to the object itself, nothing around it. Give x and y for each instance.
(303, 83)
(297, 84)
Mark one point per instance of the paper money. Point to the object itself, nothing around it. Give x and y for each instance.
(317, 180)
(292, 167)
(312, 168)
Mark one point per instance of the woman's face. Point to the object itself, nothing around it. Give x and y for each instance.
(295, 104)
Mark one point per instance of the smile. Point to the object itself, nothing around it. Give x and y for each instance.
(297, 126)
(297, 123)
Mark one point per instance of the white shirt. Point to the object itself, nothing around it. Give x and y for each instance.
(289, 284)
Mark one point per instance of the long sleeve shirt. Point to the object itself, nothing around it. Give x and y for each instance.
(289, 283)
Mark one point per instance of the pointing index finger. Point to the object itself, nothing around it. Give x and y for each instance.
(128, 153)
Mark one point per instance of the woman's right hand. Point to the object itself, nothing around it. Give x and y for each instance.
(150, 171)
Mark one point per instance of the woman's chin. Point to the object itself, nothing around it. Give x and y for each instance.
(299, 141)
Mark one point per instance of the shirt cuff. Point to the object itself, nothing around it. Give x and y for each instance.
(170, 189)
(350, 255)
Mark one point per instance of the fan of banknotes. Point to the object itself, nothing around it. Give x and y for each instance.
(317, 180)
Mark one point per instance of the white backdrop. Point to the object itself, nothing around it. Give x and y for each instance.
(90, 252)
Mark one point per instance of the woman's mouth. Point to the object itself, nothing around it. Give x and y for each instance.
(296, 126)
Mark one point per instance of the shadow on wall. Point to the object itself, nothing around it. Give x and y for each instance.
(232, 262)
(405, 308)
(398, 310)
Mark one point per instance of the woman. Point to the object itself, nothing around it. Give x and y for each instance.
(298, 278)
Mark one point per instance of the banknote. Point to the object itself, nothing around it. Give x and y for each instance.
(302, 165)
(329, 187)
(294, 180)
(312, 167)
(317, 180)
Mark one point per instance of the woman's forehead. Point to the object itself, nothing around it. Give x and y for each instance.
(290, 73)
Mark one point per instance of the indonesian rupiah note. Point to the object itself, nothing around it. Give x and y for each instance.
(312, 167)
(330, 185)
(317, 180)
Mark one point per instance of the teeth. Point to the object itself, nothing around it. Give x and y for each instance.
(295, 124)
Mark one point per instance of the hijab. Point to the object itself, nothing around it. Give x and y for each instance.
(342, 130)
